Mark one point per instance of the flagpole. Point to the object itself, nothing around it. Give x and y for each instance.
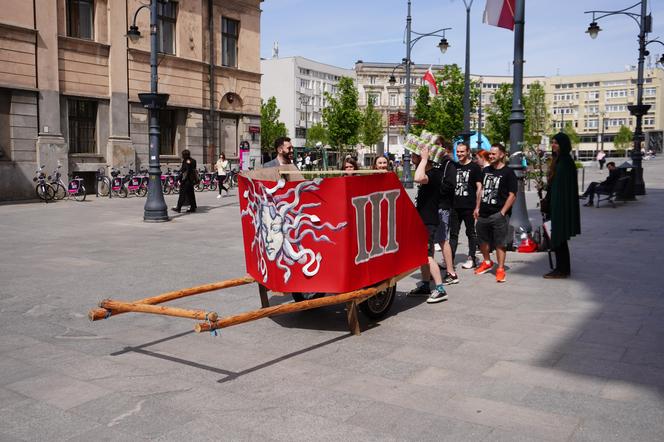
(519, 219)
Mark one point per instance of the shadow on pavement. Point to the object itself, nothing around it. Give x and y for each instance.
(612, 305)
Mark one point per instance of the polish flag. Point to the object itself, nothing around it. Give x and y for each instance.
(500, 13)
(431, 79)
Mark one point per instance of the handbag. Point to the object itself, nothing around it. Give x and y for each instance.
(195, 177)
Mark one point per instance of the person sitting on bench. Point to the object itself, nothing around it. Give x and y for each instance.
(604, 186)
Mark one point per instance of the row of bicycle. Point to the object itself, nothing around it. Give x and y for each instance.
(52, 187)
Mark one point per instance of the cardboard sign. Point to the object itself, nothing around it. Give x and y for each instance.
(329, 235)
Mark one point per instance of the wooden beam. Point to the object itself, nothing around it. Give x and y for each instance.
(102, 313)
(262, 291)
(353, 321)
(357, 295)
(125, 307)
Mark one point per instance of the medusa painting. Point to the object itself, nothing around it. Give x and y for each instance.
(281, 222)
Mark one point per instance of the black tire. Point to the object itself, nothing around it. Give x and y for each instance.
(377, 306)
(166, 188)
(299, 297)
(213, 186)
(122, 193)
(199, 187)
(142, 191)
(59, 191)
(104, 187)
(80, 194)
(45, 192)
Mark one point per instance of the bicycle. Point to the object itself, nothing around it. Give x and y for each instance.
(58, 185)
(76, 189)
(117, 184)
(208, 182)
(103, 183)
(43, 189)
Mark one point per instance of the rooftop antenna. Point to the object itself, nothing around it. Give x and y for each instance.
(275, 50)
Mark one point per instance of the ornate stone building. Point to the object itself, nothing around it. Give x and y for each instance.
(70, 78)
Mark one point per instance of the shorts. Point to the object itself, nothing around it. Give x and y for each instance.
(431, 229)
(443, 231)
(493, 230)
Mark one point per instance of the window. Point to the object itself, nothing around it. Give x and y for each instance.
(594, 95)
(82, 116)
(393, 99)
(650, 91)
(649, 121)
(167, 14)
(167, 132)
(80, 16)
(592, 109)
(619, 93)
(592, 124)
(230, 31)
(373, 99)
(616, 107)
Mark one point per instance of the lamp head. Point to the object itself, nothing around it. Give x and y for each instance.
(443, 45)
(661, 60)
(134, 34)
(393, 80)
(593, 30)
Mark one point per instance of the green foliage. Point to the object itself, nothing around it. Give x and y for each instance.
(316, 133)
(498, 115)
(443, 114)
(371, 131)
(271, 127)
(537, 116)
(571, 133)
(342, 116)
(422, 110)
(622, 140)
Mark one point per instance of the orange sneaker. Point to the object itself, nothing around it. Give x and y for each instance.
(500, 274)
(484, 267)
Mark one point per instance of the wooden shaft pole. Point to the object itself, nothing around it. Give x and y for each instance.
(124, 307)
(357, 295)
(102, 313)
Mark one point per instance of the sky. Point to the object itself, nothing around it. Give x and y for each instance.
(340, 32)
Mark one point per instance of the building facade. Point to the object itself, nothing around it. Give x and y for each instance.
(299, 85)
(70, 79)
(595, 104)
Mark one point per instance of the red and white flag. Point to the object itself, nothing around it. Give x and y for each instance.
(431, 79)
(500, 13)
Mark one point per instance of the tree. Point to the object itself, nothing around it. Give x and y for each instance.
(371, 130)
(422, 112)
(536, 114)
(444, 115)
(571, 133)
(498, 115)
(316, 133)
(271, 127)
(622, 140)
(342, 116)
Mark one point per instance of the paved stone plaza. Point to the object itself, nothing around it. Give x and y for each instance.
(532, 359)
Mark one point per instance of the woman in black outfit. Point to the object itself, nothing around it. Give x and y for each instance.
(563, 204)
(187, 196)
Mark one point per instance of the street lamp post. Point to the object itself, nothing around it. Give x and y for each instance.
(479, 118)
(392, 81)
(519, 219)
(443, 45)
(155, 209)
(304, 100)
(466, 80)
(644, 22)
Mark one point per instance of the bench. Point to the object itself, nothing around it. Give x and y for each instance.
(618, 190)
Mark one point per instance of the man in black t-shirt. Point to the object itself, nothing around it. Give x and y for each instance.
(493, 209)
(428, 199)
(447, 185)
(466, 193)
